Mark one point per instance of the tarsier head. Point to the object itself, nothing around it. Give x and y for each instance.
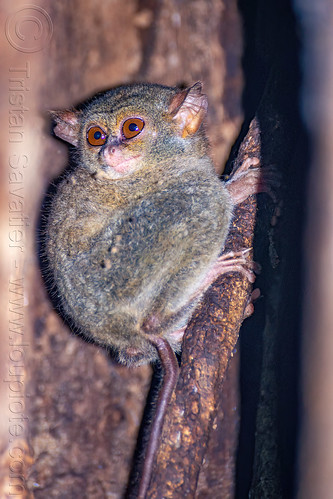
(118, 131)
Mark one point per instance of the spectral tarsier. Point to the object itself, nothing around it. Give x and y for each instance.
(136, 228)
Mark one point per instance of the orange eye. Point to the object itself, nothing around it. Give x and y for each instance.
(132, 127)
(96, 136)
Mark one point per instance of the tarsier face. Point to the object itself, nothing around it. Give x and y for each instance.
(116, 134)
(118, 141)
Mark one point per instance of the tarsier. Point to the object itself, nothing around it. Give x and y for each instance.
(136, 229)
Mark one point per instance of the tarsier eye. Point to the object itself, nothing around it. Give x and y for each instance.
(96, 136)
(132, 127)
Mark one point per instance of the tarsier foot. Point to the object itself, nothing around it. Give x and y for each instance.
(234, 262)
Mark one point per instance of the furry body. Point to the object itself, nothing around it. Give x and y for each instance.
(131, 240)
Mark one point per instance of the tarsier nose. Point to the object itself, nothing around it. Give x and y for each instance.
(112, 143)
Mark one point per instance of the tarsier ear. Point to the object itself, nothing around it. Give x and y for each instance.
(67, 125)
(189, 107)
